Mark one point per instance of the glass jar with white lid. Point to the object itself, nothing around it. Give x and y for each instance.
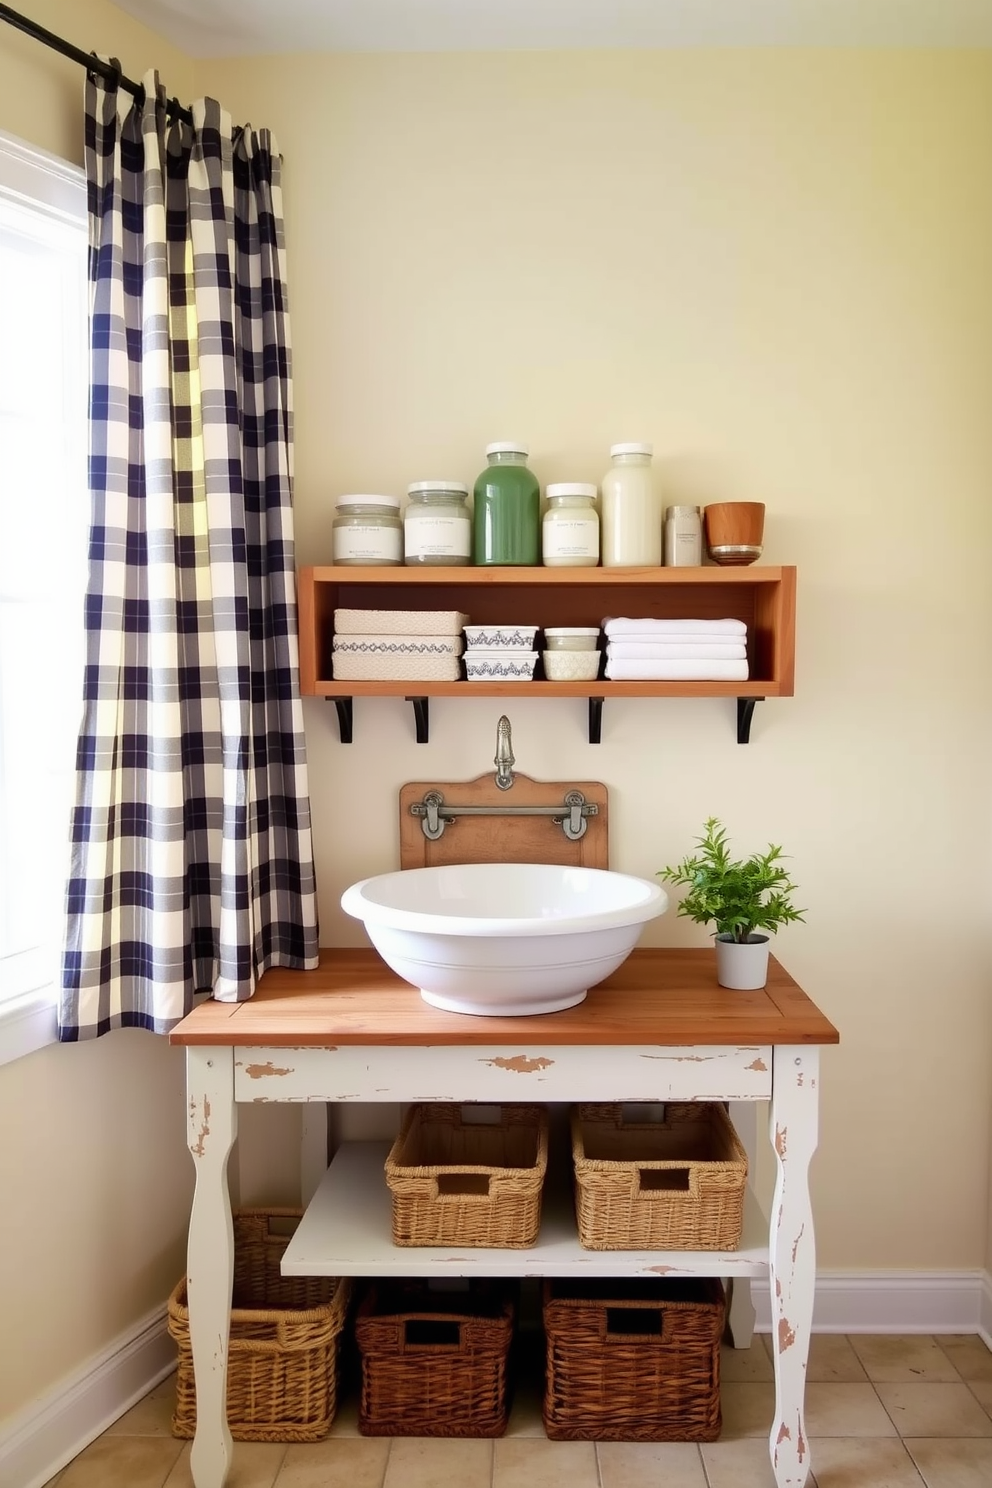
(570, 530)
(437, 530)
(367, 530)
(631, 510)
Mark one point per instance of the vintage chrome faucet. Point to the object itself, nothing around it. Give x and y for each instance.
(504, 760)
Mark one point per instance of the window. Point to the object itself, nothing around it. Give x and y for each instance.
(43, 524)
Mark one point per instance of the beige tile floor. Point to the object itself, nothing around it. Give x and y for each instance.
(886, 1412)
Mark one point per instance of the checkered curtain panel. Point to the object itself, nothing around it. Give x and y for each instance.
(192, 864)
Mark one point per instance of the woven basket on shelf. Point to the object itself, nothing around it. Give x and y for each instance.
(282, 1359)
(672, 1184)
(468, 1175)
(633, 1360)
(434, 1363)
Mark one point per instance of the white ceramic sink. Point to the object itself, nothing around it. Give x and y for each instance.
(504, 938)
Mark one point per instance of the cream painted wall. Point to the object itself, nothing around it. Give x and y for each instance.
(778, 266)
(94, 1171)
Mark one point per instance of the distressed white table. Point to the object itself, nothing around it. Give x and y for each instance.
(658, 1029)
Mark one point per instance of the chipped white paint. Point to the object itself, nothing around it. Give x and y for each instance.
(792, 1256)
(345, 1233)
(571, 1072)
(213, 1126)
(740, 1307)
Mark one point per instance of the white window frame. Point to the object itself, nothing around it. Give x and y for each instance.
(41, 183)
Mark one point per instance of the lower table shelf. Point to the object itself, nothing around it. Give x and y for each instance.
(347, 1231)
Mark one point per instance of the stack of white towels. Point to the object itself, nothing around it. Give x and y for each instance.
(676, 650)
(397, 645)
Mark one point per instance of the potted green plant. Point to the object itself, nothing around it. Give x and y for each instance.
(741, 897)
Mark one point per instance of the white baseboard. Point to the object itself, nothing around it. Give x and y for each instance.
(39, 1441)
(985, 1314)
(894, 1302)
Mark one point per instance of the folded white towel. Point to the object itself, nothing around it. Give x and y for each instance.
(397, 645)
(399, 622)
(658, 628)
(689, 642)
(677, 650)
(677, 671)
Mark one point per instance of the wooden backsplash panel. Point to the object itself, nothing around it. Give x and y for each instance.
(504, 839)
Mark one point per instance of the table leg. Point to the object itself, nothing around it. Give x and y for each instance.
(792, 1255)
(213, 1121)
(740, 1307)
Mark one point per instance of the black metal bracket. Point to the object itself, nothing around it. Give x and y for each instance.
(422, 718)
(346, 717)
(745, 712)
(595, 720)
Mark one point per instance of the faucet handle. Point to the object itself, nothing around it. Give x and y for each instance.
(504, 760)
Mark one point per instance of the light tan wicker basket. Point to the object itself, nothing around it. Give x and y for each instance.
(633, 1360)
(282, 1361)
(434, 1363)
(468, 1175)
(673, 1184)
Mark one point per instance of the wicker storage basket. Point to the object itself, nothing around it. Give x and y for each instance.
(672, 1184)
(633, 1360)
(434, 1362)
(282, 1360)
(468, 1175)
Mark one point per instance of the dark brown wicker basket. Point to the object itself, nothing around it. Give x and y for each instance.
(434, 1363)
(673, 1184)
(282, 1361)
(633, 1360)
(460, 1181)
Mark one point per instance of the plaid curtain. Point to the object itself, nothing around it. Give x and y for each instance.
(192, 864)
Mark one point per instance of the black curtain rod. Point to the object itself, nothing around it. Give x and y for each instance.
(86, 59)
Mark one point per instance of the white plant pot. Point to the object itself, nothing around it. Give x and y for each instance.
(742, 965)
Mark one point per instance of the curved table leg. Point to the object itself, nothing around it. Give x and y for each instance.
(212, 1117)
(792, 1255)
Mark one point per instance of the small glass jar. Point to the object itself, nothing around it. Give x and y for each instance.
(570, 530)
(367, 530)
(506, 517)
(437, 532)
(683, 537)
(631, 512)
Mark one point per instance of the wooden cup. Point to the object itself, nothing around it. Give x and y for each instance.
(734, 530)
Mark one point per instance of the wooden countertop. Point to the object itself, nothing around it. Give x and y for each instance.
(658, 996)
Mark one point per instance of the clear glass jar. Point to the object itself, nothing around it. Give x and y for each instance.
(570, 530)
(683, 537)
(631, 513)
(367, 530)
(437, 532)
(506, 519)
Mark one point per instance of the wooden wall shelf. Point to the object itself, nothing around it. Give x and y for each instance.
(764, 598)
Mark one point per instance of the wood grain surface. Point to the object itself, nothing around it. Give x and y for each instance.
(658, 996)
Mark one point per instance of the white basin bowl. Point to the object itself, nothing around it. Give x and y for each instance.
(503, 939)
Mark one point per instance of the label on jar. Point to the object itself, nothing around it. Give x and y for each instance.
(438, 537)
(571, 538)
(367, 544)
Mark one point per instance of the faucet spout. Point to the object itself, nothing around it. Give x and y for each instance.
(504, 760)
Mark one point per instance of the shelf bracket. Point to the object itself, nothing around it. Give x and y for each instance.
(745, 712)
(346, 717)
(595, 720)
(422, 718)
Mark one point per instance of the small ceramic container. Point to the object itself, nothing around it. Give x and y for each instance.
(571, 666)
(508, 665)
(571, 638)
(500, 637)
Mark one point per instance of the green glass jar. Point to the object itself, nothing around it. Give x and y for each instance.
(506, 519)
